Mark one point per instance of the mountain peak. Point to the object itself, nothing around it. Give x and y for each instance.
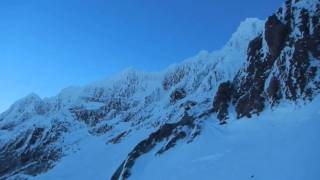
(27, 102)
(246, 31)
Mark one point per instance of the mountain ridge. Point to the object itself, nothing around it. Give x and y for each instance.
(137, 115)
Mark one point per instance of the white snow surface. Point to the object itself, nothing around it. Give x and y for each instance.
(280, 144)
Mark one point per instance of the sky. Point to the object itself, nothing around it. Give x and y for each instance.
(47, 45)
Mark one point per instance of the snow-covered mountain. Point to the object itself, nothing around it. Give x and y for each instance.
(182, 123)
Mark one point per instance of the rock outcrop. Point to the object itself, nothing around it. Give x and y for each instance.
(283, 62)
(168, 133)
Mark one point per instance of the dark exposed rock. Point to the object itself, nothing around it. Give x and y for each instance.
(8, 126)
(222, 100)
(248, 97)
(172, 142)
(286, 67)
(118, 138)
(108, 111)
(275, 34)
(33, 151)
(188, 105)
(273, 91)
(90, 117)
(36, 135)
(177, 95)
(100, 130)
(174, 78)
(168, 132)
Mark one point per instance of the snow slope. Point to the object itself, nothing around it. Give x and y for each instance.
(280, 144)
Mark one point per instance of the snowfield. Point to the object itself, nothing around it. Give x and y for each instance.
(279, 144)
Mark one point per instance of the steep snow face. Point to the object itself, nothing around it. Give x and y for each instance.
(217, 65)
(36, 133)
(235, 51)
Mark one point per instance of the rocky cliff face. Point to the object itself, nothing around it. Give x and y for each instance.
(282, 63)
(263, 64)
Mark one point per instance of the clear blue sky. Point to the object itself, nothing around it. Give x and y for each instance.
(46, 45)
